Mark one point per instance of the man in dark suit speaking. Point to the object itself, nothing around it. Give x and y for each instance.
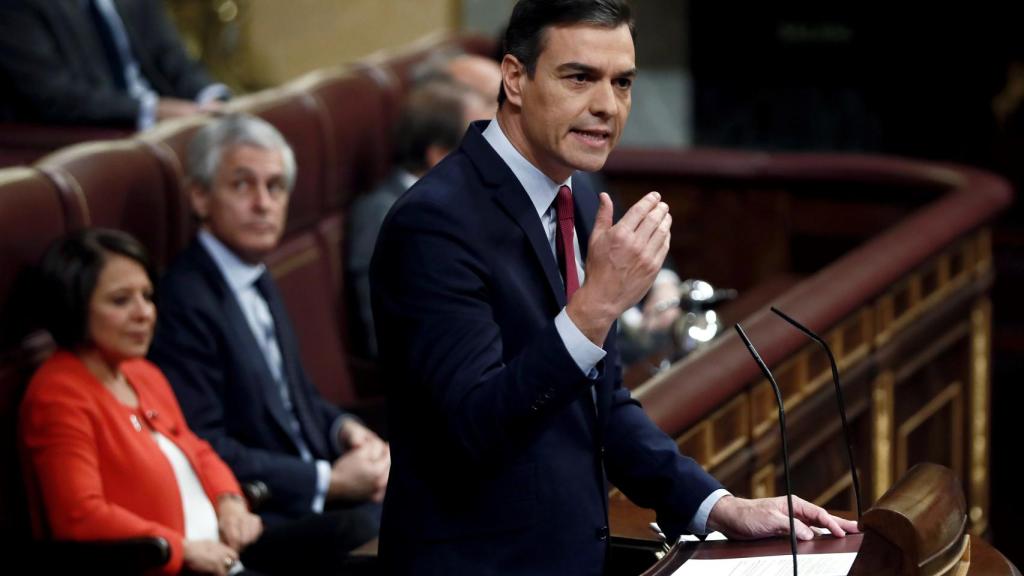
(496, 287)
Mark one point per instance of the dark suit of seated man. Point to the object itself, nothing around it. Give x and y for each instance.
(496, 283)
(101, 62)
(433, 117)
(226, 345)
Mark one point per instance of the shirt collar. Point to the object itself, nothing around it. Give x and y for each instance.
(541, 189)
(239, 274)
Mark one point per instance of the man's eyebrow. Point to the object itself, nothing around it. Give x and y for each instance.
(580, 68)
(577, 67)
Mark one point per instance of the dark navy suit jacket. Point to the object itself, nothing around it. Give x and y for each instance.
(204, 345)
(500, 459)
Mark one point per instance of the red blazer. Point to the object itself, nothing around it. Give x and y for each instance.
(98, 477)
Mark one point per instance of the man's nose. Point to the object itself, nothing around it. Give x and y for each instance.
(602, 100)
(261, 196)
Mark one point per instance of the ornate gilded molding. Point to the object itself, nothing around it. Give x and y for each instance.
(762, 482)
(882, 423)
(979, 406)
(950, 397)
(854, 338)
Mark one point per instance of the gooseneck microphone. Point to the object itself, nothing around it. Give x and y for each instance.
(839, 398)
(782, 429)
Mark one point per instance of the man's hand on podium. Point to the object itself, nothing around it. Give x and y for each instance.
(743, 519)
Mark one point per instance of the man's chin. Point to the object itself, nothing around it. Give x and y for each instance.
(589, 162)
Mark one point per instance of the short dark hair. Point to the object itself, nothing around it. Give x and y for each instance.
(433, 114)
(524, 37)
(68, 274)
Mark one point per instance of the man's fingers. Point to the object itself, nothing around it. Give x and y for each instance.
(657, 245)
(817, 516)
(603, 221)
(652, 222)
(802, 531)
(631, 220)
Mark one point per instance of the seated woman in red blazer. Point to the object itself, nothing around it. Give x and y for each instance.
(108, 451)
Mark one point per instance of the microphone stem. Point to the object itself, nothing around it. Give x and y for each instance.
(785, 468)
(782, 429)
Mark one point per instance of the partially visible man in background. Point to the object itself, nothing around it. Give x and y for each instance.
(114, 63)
(434, 116)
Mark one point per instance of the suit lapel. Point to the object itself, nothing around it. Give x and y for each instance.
(79, 39)
(242, 337)
(513, 200)
(137, 42)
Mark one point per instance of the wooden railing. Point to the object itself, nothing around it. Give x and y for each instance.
(906, 311)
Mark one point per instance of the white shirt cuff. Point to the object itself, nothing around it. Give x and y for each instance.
(213, 92)
(699, 523)
(147, 110)
(585, 353)
(323, 481)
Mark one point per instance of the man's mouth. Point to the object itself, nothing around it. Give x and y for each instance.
(592, 136)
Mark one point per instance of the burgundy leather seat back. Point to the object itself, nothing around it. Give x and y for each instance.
(303, 268)
(120, 184)
(360, 104)
(168, 142)
(31, 217)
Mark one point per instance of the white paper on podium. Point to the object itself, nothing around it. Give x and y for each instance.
(808, 565)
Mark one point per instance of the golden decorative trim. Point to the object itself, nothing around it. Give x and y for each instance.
(884, 319)
(696, 442)
(979, 406)
(720, 435)
(761, 398)
(843, 483)
(983, 241)
(950, 396)
(294, 261)
(762, 482)
(882, 416)
(863, 322)
(910, 288)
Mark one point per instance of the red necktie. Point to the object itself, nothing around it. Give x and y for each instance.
(563, 241)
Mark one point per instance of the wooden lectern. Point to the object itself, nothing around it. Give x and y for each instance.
(917, 528)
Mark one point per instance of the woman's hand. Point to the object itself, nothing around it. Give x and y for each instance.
(238, 526)
(209, 557)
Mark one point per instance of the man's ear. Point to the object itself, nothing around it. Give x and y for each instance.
(513, 73)
(200, 200)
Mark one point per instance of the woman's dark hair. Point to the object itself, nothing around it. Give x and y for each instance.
(524, 37)
(68, 274)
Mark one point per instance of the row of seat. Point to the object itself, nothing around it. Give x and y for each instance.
(339, 123)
